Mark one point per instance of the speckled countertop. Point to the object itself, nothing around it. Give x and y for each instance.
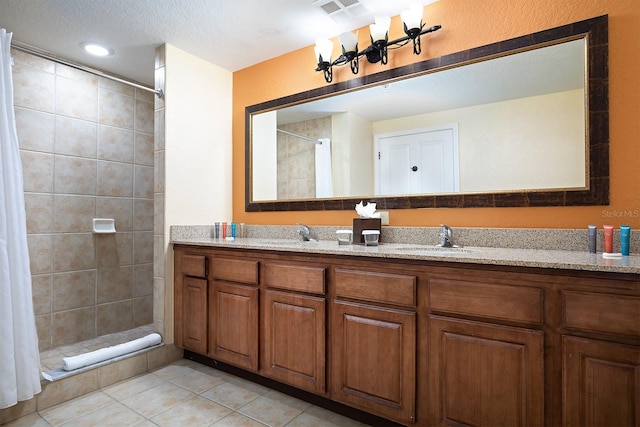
(540, 258)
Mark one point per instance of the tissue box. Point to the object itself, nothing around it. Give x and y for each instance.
(360, 224)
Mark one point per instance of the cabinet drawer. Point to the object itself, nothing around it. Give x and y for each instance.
(194, 265)
(595, 312)
(235, 270)
(376, 287)
(500, 302)
(295, 278)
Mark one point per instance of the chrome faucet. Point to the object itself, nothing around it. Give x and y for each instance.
(305, 233)
(446, 237)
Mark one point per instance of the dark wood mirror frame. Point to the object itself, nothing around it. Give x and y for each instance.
(597, 193)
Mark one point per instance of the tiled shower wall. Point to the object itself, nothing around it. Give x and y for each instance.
(296, 158)
(87, 147)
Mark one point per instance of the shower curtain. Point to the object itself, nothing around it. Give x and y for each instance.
(324, 179)
(19, 356)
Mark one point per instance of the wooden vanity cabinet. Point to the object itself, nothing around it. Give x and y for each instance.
(374, 343)
(420, 343)
(190, 301)
(483, 372)
(485, 375)
(601, 358)
(601, 383)
(233, 311)
(194, 302)
(293, 325)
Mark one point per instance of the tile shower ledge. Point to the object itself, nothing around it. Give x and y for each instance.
(537, 258)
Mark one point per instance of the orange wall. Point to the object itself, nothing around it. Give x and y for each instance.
(467, 24)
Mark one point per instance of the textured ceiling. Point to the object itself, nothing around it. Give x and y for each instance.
(232, 34)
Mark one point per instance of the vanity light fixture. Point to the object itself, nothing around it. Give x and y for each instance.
(96, 49)
(377, 51)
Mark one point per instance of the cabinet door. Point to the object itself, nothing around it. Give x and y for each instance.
(374, 366)
(601, 383)
(294, 340)
(194, 317)
(233, 324)
(485, 375)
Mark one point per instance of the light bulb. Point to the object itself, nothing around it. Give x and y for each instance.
(412, 17)
(380, 28)
(349, 41)
(97, 49)
(324, 48)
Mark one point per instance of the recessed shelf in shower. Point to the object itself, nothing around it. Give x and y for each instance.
(104, 225)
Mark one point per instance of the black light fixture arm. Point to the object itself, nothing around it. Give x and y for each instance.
(376, 52)
(405, 39)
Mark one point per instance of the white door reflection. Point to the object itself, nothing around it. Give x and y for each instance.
(417, 161)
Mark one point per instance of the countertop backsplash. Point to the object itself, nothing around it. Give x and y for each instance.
(513, 238)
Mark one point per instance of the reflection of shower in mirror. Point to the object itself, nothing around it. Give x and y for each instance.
(324, 186)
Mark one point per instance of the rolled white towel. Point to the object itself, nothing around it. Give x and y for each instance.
(86, 359)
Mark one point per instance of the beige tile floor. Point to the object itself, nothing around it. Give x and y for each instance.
(185, 393)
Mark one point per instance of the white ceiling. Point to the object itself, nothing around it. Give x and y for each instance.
(232, 34)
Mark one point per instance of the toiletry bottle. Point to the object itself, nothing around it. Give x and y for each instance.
(608, 238)
(593, 233)
(217, 230)
(224, 230)
(625, 237)
(233, 230)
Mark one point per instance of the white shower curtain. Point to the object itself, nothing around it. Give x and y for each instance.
(19, 357)
(324, 181)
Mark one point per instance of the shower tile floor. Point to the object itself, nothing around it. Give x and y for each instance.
(185, 393)
(52, 359)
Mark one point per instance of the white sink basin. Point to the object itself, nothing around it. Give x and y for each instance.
(435, 250)
(288, 243)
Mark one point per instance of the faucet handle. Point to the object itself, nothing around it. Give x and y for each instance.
(304, 232)
(446, 231)
(446, 236)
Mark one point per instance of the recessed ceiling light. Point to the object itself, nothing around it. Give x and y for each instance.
(97, 49)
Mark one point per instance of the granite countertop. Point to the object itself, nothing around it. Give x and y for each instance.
(558, 259)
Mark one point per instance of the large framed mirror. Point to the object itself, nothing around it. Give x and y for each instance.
(522, 122)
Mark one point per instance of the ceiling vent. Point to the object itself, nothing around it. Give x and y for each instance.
(342, 11)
